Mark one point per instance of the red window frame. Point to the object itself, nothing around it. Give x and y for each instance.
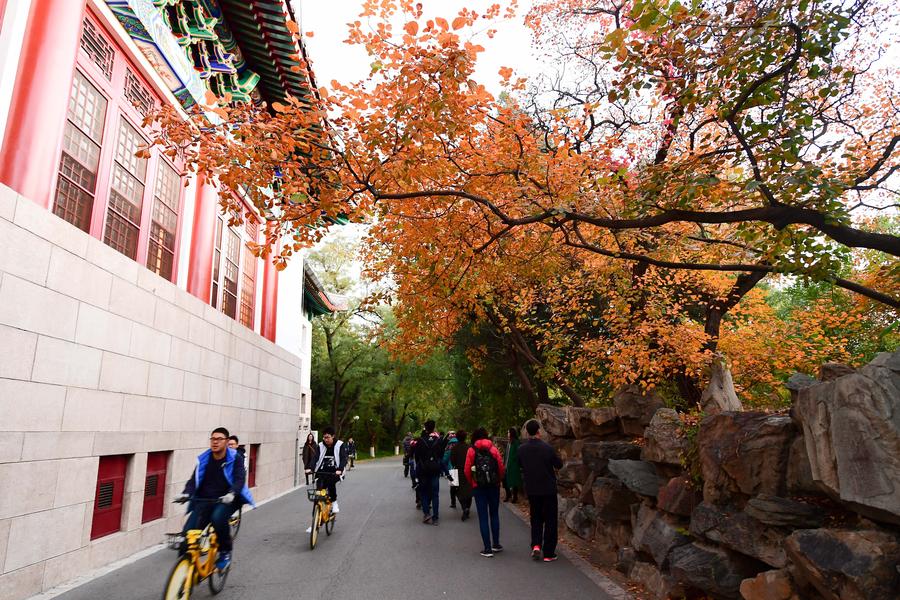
(251, 475)
(155, 486)
(241, 299)
(117, 83)
(109, 494)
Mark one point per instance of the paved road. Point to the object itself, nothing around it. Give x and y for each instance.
(380, 550)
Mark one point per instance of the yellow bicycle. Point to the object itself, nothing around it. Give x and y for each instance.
(199, 550)
(322, 515)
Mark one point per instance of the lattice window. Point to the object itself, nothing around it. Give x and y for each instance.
(139, 96)
(80, 158)
(97, 48)
(126, 193)
(164, 223)
(230, 286)
(248, 277)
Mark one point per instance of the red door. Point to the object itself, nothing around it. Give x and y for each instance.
(251, 476)
(110, 491)
(155, 485)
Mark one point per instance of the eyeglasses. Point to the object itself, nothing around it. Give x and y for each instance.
(217, 439)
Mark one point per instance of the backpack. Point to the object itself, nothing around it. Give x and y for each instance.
(487, 472)
(432, 454)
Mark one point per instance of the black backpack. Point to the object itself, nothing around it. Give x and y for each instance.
(487, 472)
(432, 455)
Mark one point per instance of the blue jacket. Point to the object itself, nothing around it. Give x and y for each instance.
(233, 470)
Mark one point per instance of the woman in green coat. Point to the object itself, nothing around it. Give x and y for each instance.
(513, 480)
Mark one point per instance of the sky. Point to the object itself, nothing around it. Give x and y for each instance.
(333, 59)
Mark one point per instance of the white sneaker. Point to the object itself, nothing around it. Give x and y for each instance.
(335, 509)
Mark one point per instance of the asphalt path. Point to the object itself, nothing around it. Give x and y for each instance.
(380, 549)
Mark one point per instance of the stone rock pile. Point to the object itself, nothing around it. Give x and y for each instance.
(791, 506)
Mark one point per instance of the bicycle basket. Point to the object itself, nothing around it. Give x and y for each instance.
(174, 541)
(313, 494)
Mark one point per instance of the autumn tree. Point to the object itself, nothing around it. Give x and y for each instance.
(700, 149)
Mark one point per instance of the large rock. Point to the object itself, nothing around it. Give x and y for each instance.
(847, 565)
(799, 471)
(719, 395)
(639, 476)
(662, 439)
(659, 585)
(851, 427)
(740, 532)
(656, 534)
(636, 408)
(797, 382)
(567, 448)
(679, 497)
(612, 499)
(833, 370)
(573, 472)
(710, 569)
(596, 455)
(580, 521)
(744, 454)
(592, 422)
(781, 512)
(609, 537)
(554, 420)
(770, 585)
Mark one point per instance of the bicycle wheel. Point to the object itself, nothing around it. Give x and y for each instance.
(329, 524)
(235, 523)
(217, 580)
(314, 532)
(178, 586)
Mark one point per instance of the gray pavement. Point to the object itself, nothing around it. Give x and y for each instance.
(379, 550)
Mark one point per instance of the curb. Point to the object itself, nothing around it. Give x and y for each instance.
(606, 585)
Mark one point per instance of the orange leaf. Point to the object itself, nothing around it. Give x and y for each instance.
(459, 22)
(292, 26)
(412, 28)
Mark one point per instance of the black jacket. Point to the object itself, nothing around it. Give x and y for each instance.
(538, 460)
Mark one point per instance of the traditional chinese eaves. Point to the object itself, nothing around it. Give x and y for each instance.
(260, 28)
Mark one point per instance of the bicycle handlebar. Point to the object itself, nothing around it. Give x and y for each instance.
(196, 499)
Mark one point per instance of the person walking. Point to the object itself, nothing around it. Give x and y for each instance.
(309, 455)
(351, 451)
(458, 462)
(539, 461)
(484, 469)
(429, 467)
(451, 443)
(513, 480)
(407, 454)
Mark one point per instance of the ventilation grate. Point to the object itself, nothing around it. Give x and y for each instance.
(105, 495)
(96, 47)
(151, 485)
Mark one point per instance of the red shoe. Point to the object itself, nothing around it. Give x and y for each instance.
(550, 558)
(536, 553)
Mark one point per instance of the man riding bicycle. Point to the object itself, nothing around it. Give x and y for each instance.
(330, 464)
(219, 475)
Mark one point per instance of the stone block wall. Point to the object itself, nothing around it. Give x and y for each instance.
(99, 356)
(790, 505)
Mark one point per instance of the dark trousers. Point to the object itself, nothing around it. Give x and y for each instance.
(328, 481)
(487, 501)
(453, 490)
(544, 517)
(431, 493)
(203, 513)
